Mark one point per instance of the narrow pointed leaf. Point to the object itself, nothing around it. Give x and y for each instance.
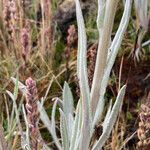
(67, 100)
(76, 123)
(111, 120)
(53, 127)
(107, 115)
(63, 130)
(68, 106)
(83, 78)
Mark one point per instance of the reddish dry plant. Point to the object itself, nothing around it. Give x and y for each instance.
(25, 42)
(72, 35)
(71, 40)
(144, 128)
(10, 16)
(91, 55)
(33, 114)
(6, 13)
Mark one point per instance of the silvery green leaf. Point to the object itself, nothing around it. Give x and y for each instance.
(77, 144)
(138, 52)
(114, 50)
(107, 116)
(68, 106)
(27, 127)
(63, 131)
(100, 14)
(70, 125)
(15, 109)
(44, 117)
(45, 147)
(53, 126)
(50, 125)
(59, 102)
(76, 126)
(24, 143)
(67, 100)
(146, 43)
(21, 86)
(11, 95)
(82, 53)
(78, 136)
(83, 78)
(141, 7)
(111, 120)
(120, 32)
(82, 56)
(99, 111)
(41, 103)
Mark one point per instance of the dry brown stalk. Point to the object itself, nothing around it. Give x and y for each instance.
(46, 30)
(3, 144)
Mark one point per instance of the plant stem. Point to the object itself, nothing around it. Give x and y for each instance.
(102, 51)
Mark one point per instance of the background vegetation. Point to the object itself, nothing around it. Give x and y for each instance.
(38, 39)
